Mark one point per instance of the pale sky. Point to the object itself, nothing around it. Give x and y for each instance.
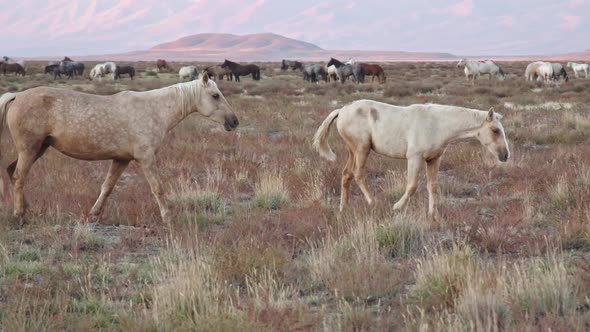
(467, 27)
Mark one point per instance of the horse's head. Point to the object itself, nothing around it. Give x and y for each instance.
(213, 105)
(569, 65)
(461, 62)
(284, 65)
(334, 62)
(491, 135)
(225, 64)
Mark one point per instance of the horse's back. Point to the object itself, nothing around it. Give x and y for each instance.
(385, 127)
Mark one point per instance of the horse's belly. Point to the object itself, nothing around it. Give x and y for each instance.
(394, 146)
(90, 149)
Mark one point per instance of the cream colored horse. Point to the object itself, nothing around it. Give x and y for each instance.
(579, 67)
(122, 127)
(418, 133)
(539, 70)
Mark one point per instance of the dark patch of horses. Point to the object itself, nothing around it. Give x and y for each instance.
(374, 114)
(124, 70)
(161, 64)
(241, 70)
(12, 68)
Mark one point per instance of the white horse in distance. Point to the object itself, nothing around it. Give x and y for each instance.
(419, 133)
(579, 67)
(190, 72)
(539, 70)
(102, 69)
(473, 69)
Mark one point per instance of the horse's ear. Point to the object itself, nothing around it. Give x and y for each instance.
(490, 116)
(205, 78)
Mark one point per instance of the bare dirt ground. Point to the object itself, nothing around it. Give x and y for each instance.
(257, 242)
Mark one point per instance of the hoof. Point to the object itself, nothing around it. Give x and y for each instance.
(19, 220)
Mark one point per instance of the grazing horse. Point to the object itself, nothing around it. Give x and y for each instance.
(122, 70)
(57, 70)
(78, 67)
(313, 72)
(286, 64)
(98, 72)
(419, 133)
(577, 67)
(559, 71)
(345, 70)
(162, 64)
(53, 69)
(241, 70)
(22, 63)
(473, 69)
(539, 70)
(217, 71)
(122, 127)
(12, 68)
(190, 72)
(374, 71)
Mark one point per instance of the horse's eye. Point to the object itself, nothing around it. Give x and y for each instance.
(216, 95)
(495, 130)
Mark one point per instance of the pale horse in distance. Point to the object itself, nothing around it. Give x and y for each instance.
(579, 67)
(539, 70)
(102, 69)
(473, 69)
(190, 72)
(124, 127)
(419, 133)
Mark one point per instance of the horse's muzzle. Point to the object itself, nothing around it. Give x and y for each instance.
(231, 122)
(503, 155)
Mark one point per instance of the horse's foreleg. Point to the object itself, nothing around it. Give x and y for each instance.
(414, 166)
(432, 167)
(115, 171)
(151, 174)
(361, 155)
(347, 175)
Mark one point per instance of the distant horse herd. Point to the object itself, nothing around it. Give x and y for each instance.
(334, 70)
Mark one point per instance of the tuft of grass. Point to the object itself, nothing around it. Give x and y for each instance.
(29, 255)
(442, 277)
(271, 191)
(560, 195)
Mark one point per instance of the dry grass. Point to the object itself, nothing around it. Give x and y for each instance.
(258, 243)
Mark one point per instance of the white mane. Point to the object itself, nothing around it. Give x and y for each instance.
(189, 94)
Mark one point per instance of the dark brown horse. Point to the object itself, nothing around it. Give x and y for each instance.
(120, 70)
(374, 71)
(162, 64)
(241, 70)
(12, 68)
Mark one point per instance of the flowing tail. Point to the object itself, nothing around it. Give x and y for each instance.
(320, 139)
(5, 101)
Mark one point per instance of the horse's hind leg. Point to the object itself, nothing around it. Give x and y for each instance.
(347, 175)
(115, 171)
(432, 167)
(18, 171)
(12, 167)
(361, 155)
(414, 166)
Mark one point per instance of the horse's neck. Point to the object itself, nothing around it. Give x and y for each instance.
(459, 123)
(176, 103)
